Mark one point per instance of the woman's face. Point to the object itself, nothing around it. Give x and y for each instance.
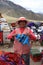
(22, 24)
(42, 24)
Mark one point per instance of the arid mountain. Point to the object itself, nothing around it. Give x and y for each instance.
(11, 9)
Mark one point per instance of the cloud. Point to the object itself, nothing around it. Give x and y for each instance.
(35, 5)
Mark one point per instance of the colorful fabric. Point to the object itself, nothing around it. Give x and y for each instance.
(24, 39)
(41, 37)
(18, 47)
(11, 59)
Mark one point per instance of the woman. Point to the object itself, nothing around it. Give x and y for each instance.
(2, 19)
(22, 49)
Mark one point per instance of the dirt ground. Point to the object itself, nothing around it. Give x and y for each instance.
(5, 48)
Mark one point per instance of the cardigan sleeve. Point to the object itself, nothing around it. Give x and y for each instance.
(11, 34)
(31, 35)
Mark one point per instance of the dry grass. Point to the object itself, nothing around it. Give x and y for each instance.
(10, 19)
(13, 19)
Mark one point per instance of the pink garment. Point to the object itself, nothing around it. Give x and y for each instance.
(18, 47)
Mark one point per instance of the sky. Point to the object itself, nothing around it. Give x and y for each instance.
(34, 5)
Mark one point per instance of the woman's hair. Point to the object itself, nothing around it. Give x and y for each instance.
(1, 15)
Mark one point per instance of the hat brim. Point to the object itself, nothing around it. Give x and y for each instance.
(22, 21)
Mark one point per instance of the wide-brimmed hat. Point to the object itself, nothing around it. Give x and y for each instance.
(22, 19)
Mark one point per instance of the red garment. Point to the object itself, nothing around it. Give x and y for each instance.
(18, 47)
